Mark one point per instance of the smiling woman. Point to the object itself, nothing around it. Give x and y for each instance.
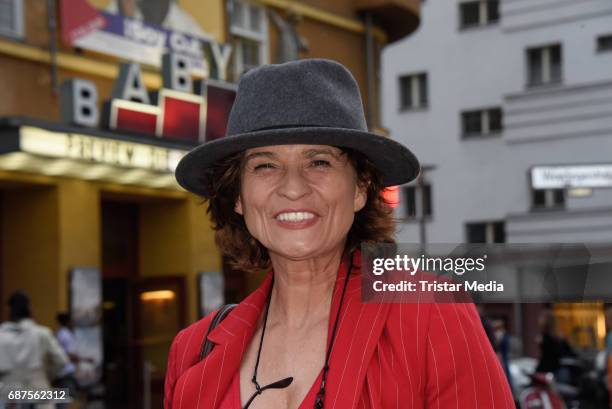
(294, 189)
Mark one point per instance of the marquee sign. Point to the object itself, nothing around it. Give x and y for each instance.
(89, 148)
(183, 109)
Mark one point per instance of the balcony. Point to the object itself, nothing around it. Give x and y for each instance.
(397, 18)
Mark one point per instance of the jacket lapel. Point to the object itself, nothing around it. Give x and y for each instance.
(208, 380)
(359, 329)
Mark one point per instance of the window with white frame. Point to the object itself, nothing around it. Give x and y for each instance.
(249, 32)
(481, 122)
(544, 65)
(486, 232)
(11, 18)
(413, 91)
(478, 13)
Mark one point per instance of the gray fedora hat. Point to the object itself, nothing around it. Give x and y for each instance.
(311, 102)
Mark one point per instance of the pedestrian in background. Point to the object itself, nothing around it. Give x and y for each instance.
(65, 337)
(487, 325)
(503, 342)
(28, 351)
(552, 348)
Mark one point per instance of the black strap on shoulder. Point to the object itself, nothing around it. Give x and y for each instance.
(207, 345)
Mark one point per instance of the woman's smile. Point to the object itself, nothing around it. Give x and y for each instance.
(296, 219)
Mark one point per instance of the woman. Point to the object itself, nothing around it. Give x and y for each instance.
(294, 189)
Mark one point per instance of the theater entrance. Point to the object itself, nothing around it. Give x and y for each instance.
(141, 315)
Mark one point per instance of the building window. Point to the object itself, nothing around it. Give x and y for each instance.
(482, 122)
(418, 201)
(478, 13)
(604, 43)
(548, 198)
(544, 65)
(413, 91)
(249, 32)
(11, 18)
(489, 232)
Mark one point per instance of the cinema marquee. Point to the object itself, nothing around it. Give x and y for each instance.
(136, 137)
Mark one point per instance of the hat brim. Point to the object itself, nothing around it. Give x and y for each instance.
(396, 162)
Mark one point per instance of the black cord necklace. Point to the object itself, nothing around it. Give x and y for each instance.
(283, 383)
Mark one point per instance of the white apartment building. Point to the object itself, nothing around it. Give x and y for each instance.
(483, 92)
(508, 106)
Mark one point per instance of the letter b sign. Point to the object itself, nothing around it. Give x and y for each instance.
(78, 102)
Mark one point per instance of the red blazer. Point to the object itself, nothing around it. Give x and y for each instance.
(384, 356)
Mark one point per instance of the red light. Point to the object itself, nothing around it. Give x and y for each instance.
(391, 195)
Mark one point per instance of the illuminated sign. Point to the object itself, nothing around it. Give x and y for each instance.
(571, 176)
(173, 112)
(99, 150)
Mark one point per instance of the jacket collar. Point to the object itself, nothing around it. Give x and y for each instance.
(357, 334)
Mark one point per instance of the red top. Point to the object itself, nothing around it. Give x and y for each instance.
(232, 400)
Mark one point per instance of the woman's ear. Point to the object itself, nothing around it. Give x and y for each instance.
(238, 206)
(361, 196)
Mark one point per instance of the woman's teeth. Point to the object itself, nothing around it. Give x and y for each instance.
(294, 216)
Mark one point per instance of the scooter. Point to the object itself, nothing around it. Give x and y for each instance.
(541, 394)
(534, 390)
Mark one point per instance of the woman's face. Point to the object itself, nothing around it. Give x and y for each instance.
(299, 201)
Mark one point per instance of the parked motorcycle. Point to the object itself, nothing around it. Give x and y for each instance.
(583, 385)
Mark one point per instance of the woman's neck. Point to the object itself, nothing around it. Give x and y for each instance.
(302, 291)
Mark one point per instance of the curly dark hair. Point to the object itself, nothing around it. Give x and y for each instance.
(373, 223)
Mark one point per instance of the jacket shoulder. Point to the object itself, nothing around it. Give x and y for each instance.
(186, 346)
(184, 353)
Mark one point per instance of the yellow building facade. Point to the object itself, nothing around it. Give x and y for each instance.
(148, 239)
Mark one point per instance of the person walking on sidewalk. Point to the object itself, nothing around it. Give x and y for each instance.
(28, 351)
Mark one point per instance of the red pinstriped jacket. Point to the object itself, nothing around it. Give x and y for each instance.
(384, 356)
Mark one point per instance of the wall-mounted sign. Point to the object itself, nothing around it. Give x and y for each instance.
(571, 176)
(142, 31)
(184, 109)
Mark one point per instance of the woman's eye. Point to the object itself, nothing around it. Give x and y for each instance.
(320, 162)
(262, 166)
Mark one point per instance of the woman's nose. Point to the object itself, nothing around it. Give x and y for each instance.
(293, 185)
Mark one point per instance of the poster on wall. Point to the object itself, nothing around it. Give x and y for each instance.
(142, 31)
(85, 296)
(86, 314)
(211, 290)
(89, 349)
